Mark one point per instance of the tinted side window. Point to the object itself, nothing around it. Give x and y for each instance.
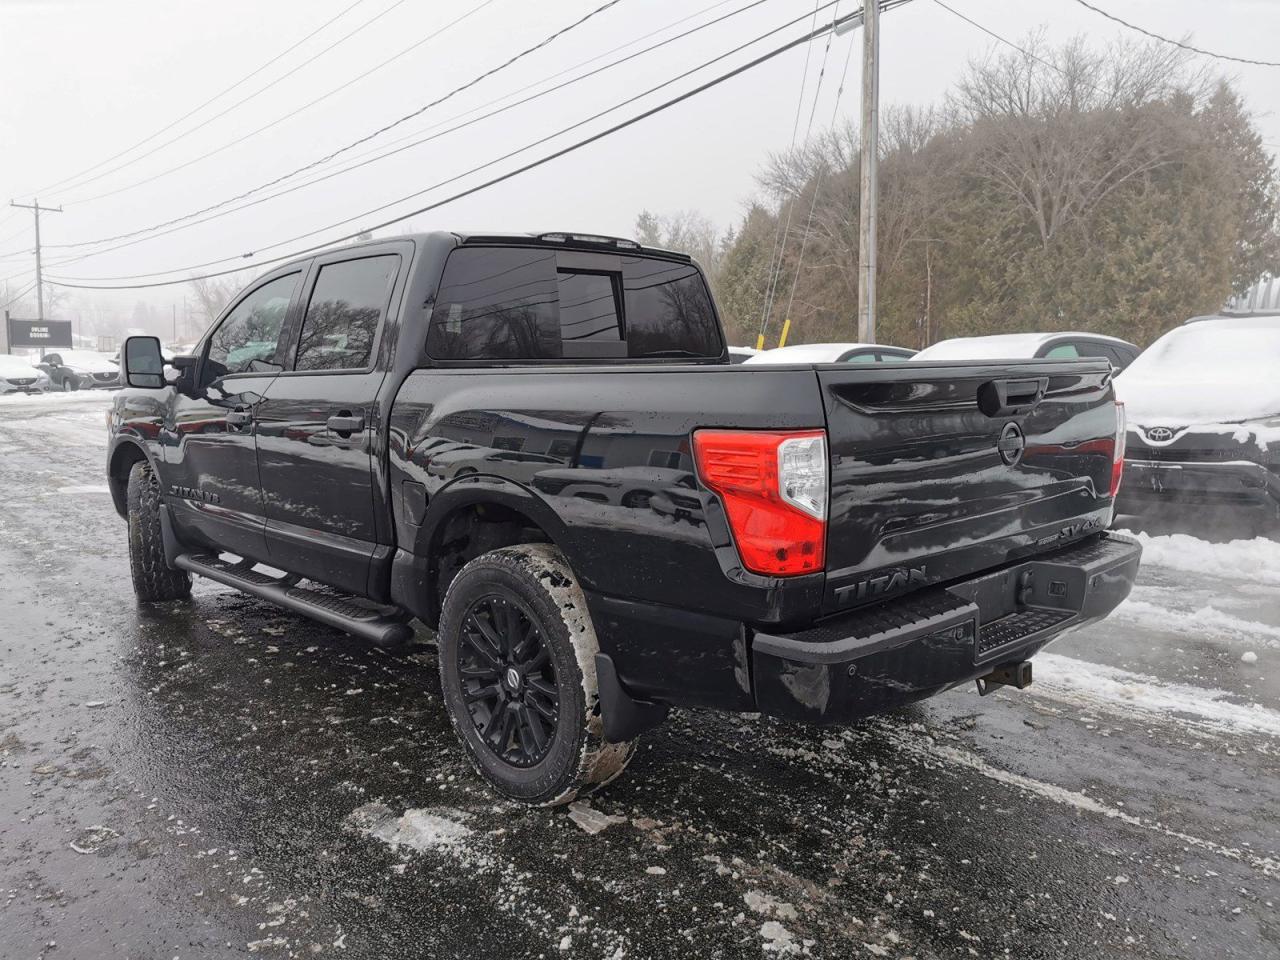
(1119, 356)
(347, 304)
(668, 309)
(1063, 350)
(1093, 348)
(859, 356)
(497, 303)
(248, 336)
(894, 357)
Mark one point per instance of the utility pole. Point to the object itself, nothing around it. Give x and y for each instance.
(926, 334)
(35, 207)
(870, 138)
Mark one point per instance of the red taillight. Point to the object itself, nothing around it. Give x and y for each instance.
(1117, 462)
(774, 489)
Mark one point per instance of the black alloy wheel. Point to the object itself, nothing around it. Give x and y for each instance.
(508, 680)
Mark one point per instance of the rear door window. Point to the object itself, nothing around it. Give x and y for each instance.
(497, 303)
(347, 305)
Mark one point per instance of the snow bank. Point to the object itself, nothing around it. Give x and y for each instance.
(1093, 686)
(1256, 560)
(1203, 621)
(93, 398)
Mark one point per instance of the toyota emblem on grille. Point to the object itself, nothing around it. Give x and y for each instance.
(1012, 443)
(1159, 434)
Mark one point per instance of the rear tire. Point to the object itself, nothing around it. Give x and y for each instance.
(153, 581)
(530, 603)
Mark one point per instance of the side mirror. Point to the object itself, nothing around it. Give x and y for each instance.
(143, 363)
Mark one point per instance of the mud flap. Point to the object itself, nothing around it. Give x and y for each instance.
(625, 718)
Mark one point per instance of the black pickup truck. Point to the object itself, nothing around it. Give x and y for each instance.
(537, 446)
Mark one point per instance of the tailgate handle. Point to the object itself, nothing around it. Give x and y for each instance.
(1007, 398)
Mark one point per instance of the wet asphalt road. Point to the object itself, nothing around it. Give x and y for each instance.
(223, 779)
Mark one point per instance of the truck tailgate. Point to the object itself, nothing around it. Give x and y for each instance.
(939, 471)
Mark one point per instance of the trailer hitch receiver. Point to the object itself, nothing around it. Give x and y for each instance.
(1010, 675)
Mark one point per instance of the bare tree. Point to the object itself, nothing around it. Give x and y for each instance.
(212, 294)
(1058, 129)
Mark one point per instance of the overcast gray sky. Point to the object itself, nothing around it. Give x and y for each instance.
(83, 80)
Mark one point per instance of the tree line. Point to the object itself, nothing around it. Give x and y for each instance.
(1117, 190)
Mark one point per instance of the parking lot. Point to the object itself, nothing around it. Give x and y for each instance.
(223, 778)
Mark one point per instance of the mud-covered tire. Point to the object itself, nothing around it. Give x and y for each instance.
(537, 578)
(153, 581)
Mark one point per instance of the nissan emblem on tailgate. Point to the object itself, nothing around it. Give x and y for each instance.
(1012, 443)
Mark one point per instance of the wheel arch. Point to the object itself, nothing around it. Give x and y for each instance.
(467, 518)
(125, 452)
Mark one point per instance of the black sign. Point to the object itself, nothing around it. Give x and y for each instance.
(39, 333)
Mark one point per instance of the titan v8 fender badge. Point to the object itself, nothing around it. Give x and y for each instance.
(1012, 444)
(192, 493)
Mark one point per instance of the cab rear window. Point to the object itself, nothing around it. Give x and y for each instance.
(520, 303)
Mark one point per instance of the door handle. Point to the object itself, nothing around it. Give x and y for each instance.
(345, 424)
(239, 417)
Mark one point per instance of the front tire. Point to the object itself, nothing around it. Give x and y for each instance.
(517, 670)
(153, 581)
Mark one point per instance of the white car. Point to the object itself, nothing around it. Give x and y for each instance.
(1203, 411)
(1027, 346)
(17, 375)
(833, 353)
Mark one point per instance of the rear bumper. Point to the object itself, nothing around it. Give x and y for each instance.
(1148, 484)
(869, 661)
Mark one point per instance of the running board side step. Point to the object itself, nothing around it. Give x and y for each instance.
(379, 628)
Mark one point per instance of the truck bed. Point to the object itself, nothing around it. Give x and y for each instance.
(600, 458)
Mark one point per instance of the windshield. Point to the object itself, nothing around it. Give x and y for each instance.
(83, 356)
(1207, 372)
(8, 362)
(1003, 347)
(1208, 350)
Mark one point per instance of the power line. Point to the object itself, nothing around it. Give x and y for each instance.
(19, 296)
(547, 158)
(222, 113)
(786, 230)
(1021, 49)
(287, 116)
(1177, 43)
(217, 96)
(35, 207)
(472, 170)
(383, 155)
(817, 182)
(775, 249)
